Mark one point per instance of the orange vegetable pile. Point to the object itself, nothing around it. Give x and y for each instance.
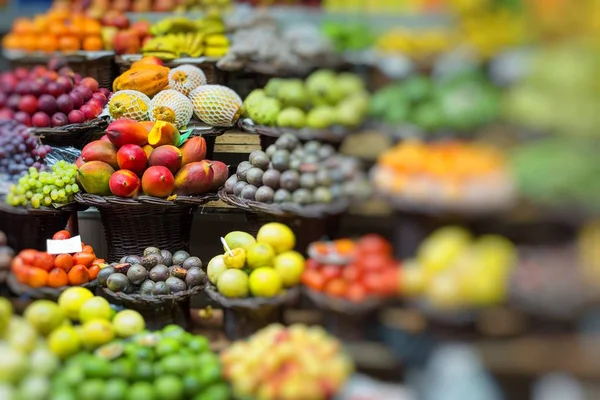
(38, 268)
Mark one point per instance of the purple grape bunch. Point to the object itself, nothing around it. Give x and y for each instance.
(20, 150)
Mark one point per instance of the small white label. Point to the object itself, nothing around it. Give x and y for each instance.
(72, 245)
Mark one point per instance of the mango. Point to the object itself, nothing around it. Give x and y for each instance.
(124, 183)
(148, 125)
(158, 181)
(94, 176)
(166, 156)
(105, 138)
(220, 174)
(127, 131)
(133, 158)
(194, 178)
(193, 150)
(99, 150)
(163, 133)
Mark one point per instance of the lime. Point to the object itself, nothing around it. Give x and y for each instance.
(167, 346)
(146, 339)
(115, 389)
(198, 344)
(218, 391)
(143, 371)
(92, 389)
(260, 255)
(158, 369)
(191, 385)
(59, 383)
(139, 352)
(176, 332)
(290, 266)
(123, 368)
(215, 268)
(44, 316)
(73, 375)
(278, 235)
(128, 323)
(71, 300)
(65, 394)
(64, 341)
(265, 282)
(168, 387)
(97, 332)
(233, 283)
(95, 308)
(96, 367)
(141, 390)
(209, 373)
(174, 364)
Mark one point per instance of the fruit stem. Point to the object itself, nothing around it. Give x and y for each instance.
(226, 247)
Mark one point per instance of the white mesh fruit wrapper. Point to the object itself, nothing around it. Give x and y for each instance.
(129, 104)
(216, 105)
(171, 106)
(186, 78)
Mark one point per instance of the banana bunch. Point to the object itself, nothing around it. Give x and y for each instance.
(210, 25)
(172, 46)
(173, 25)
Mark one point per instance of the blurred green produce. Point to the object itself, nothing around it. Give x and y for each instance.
(348, 36)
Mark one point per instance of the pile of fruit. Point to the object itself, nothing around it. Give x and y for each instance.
(19, 149)
(101, 7)
(152, 151)
(261, 267)
(353, 270)
(44, 97)
(151, 91)
(165, 364)
(157, 272)
(301, 363)
(460, 102)
(422, 44)
(348, 37)
(453, 270)
(323, 100)
(38, 268)
(98, 324)
(26, 365)
(45, 188)
(289, 172)
(123, 37)
(448, 175)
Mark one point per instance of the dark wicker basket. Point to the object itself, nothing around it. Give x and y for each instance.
(98, 65)
(76, 135)
(28, 228)
(158, 311)
(243, 317)
(206, 64)
(131, 225)
(42, 293)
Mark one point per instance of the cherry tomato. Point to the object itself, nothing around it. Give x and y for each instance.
(352, 273)
(330, 271)
(313, 279)
(336, 287)
(356, 292)
(373, 262)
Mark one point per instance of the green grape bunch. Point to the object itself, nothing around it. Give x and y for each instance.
(45, 188)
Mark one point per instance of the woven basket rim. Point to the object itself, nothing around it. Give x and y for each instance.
(343, 306)
(45, 291)
(71, 129)
(288, 209)
(75, 56)
(288, 296)
(141, 299)
(125, 60)
(334, 134)
(143, 201)
(38, 211)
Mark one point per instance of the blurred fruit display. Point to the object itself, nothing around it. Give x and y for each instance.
(422, 45)
(264, 266)
(156, 272)
(453, 270)
(448, 175)
(97, 8)
(353, 270)
(349, 37)
(302, 363)
(323, 100)
(459, 102)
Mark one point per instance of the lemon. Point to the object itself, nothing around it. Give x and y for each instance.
(290, 266)
(265, 282)
(233, 283)
(71, 300)
(44, 316)
(64, 341)
(95, 308)
(128, 323)
(260, 255)
(278, 235)
(97, 333)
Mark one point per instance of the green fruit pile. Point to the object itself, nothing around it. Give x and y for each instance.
(324, 99)
(156, 272)
(261, 267)
(289, 172)
(168, 365)
(348, 37)
(460, 102)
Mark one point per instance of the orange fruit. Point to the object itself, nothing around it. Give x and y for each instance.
(85, 259)
(61, 235)
(92, 28)
(64, 262)
(23, 26)
(93, 43)
(58, 30)
(93, 271)
(29, 42)
(44, 261)
(78, 275)
(37, 277)
(11, 42)
(68, 43)
(48, 44)
(87, 249)
(57, 278)
(28, 256)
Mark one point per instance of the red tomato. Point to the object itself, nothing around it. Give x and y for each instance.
(330, 271)
(391, 278)
(352, 273)
(311, 263)
(356, 292)
(373, 262)
(374, 244)
(313, 279)
(375, 284)
(336, 287)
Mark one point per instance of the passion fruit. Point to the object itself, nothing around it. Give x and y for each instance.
(147, 287)
(192, 262)
(175, 284)
(104, 274)
(167, 257)
(137, 274)
(159, 273)
(117, 282)
(151, 250)
(195, 277)
(160, 288)
(180, 256)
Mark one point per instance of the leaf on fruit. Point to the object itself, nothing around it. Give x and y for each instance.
(184, 136)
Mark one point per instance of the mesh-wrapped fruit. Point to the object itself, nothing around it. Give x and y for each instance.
(186, 78)
(216, 105)
(129, 104)
(171, 106)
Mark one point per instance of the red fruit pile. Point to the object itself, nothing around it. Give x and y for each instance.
(372, 271)
(42, 97)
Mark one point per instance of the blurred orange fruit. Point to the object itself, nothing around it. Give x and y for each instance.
(68, 43)
(93, 43)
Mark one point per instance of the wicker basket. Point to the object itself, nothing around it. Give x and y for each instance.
(42, 293)
(76, 135)
(243, 317)
(131, 225)
(98, 65)
(206, 64)
(28, 228)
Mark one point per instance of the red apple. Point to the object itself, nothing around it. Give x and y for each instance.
(77, 99)
(60, 119)
(7, 113)
(40, 120)
(54, 89)
(23, 118)
(13, 101)
(100, 97)
(28, 104)
(47, 104)
(90, 83)
(127, 42)
(142, 28)
(76, 117)
(116, 19)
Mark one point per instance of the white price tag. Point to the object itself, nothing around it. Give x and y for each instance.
(72, 245)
